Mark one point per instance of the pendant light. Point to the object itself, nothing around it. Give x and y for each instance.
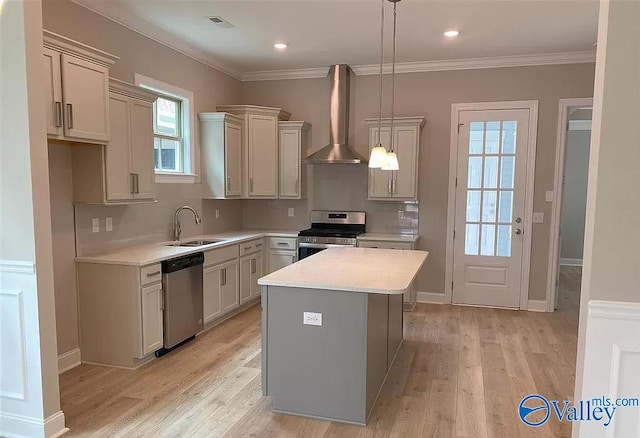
(391, 162)
(378, 157)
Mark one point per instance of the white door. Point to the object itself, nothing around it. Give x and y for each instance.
(229, 286)
(246, 265)
(280, 259)
(152, 304)
(142, 159)
(379, 180)
(404, 180)
(53, 92)
(211, 288)
(489, 210)
(263, 156)
(233, 159)
(120, 182)
(256, 272)
(290, 163)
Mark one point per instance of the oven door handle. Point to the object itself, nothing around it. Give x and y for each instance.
(320, 245)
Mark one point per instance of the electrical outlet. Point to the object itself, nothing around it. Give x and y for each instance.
(217, 213)
(538, 217)
(291, 212)
(548, 196)
(95, 225)
(108, 224)
(312, 318)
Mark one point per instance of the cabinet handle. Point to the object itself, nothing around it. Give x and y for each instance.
(153, 274)
(247, 248)
(389, 187)
(223, 277)
(253, 266)
(393, 186)
(228, 184)
(297, 185)
(137, 183)
(133, 182)
(250, 185)
(70, 116)
(58, 114)
(258, 245)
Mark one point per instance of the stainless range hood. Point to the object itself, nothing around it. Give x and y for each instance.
(338, 150)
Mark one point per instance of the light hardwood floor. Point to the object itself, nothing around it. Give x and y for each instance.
(461, 372)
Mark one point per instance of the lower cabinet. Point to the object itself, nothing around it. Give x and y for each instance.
(229, 286)
(220, 289)
(152, 321)
(251, 269)
(283, 251)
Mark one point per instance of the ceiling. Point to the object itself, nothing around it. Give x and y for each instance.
(325, 32)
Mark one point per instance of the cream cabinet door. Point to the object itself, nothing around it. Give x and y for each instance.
(212, 293)
(290, 163)
(262, 156)
(86, 99)
(142, 159)
(280, 259)
(246, 264)
(53, 92)
(406, 180)
(119, 180)
(152, 322)
(379, 180)
(257, 269)
(229, 286)
(233, 159)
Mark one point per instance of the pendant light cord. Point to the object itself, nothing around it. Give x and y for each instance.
(381, 63)
(393, 72)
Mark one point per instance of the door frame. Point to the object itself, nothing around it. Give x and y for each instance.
(456, 108)
(564, 106)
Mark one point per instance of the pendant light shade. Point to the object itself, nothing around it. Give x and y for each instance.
(391, 159)
(378, 157)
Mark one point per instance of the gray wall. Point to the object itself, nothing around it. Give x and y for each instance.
(574, 198)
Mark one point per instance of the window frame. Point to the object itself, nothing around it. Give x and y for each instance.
(187, 128)
(179, 137)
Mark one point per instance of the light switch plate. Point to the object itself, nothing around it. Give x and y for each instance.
(312, 318)
(108, 224)
(95, 225)
(548, 196)
(538, 217)
(291, 212)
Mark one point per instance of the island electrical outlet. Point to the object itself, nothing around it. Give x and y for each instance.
(312, 318)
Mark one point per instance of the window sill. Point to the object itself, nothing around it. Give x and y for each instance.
(175, 178)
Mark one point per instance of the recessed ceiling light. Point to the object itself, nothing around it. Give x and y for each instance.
(281, 46)
(451, 33)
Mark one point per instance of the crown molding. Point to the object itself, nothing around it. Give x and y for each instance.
(113, 12)
(431, 66)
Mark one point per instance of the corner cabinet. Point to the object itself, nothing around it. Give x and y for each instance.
(77, 90)
(293, 140)
(397, 185)
(260, 148)
(221, 149)
(123, 170)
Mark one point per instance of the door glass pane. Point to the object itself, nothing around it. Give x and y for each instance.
(490, 172)
(473, 206)
(471, 240)
(476, 138)
(505, 214)
(487, 240)
(507, 172)
(475, 173)
(489, 205)
(504, 240)
(509, 130)
(493, 138)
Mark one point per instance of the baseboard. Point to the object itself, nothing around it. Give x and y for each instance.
(570, 262)
(430, 298)
(537, 306)
(18, 426)
(68, 360)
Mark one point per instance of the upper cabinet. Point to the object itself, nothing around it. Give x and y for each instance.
(221, 139)
(294, 140)
(77, 90)
(123, 170)
(260, 148)
(398, 185)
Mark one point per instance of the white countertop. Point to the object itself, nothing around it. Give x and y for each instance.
(158, 252)
(386, 237)
(382, 271)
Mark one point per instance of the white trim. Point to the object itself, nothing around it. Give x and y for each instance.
(556, 207)
(190, 142)
(19, 426)
(614, 310)
(570, 262)
(68, 360)
(456, 108)
(17, 267)
(537, 306)
(113, 12)
(173, 178)
(579, 125)
(430, 297)
(429, 66)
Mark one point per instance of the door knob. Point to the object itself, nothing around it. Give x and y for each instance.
(518, 231)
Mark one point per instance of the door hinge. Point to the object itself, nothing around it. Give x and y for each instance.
(459, 126)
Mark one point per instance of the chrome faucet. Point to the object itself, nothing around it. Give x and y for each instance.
(176, 223)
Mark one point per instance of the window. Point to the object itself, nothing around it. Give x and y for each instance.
(173, 131)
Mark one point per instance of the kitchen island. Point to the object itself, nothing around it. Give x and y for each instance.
(331, 329)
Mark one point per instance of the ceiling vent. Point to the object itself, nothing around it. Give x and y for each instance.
(221, 22)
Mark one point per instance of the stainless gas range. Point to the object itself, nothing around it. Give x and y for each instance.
(330, 228)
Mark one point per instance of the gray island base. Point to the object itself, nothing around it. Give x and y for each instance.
(332, 363)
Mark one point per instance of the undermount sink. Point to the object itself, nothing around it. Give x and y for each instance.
(196, 242)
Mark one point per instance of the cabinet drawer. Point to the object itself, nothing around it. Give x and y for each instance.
(251, 246)
(385, 244)
(150, 274)
(220, 255)
(290, 243)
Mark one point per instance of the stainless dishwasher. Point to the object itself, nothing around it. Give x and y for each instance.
(182, 288)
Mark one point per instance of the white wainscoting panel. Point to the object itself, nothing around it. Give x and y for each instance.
(13, 347)
(612, 365)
